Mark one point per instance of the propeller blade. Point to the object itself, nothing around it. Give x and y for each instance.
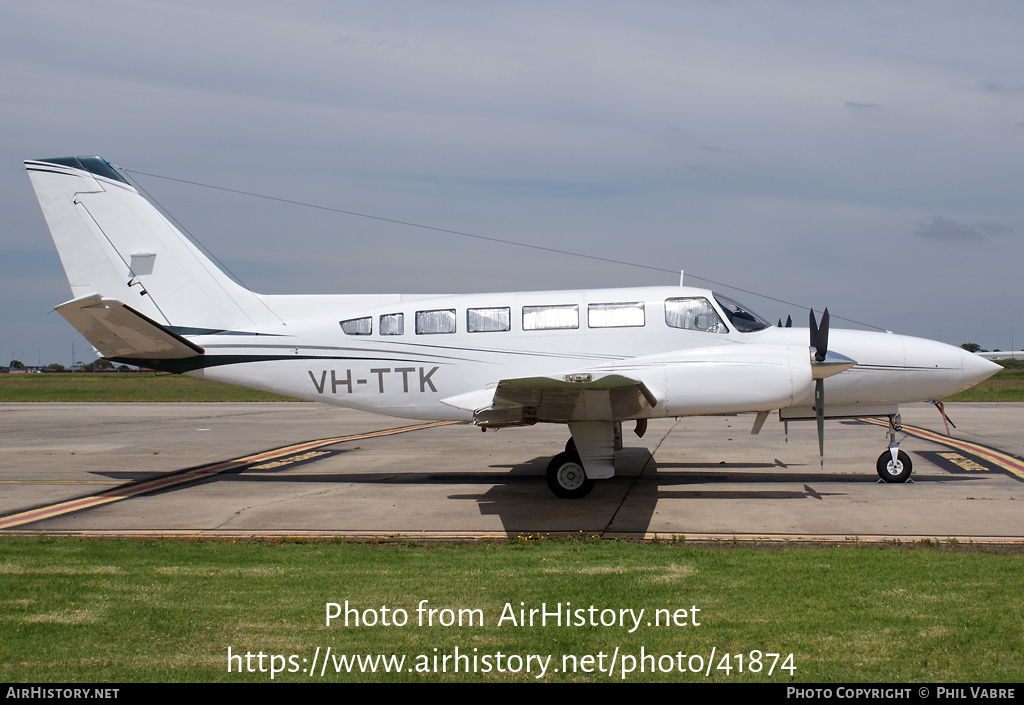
(819, 408)
(822, 346)
(819, 342)
(819, 336)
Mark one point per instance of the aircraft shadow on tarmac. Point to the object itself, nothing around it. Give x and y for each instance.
(626, 503)
(519, 496)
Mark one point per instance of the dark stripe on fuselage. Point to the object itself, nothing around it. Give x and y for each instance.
(202, 362)
(186, 330)
(459, 353)
(474, 355)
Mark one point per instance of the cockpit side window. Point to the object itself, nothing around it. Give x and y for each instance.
(742, 318)
(693, 313)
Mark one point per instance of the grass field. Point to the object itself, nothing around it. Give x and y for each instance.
(1007, 385)
(122, 386)
(77, 610)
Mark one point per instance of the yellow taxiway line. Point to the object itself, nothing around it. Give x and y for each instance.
(133, 489)
(998, 458)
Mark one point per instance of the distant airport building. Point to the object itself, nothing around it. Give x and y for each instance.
(1003, 355)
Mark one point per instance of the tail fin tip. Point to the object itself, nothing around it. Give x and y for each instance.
(97, 166)
(114, 242)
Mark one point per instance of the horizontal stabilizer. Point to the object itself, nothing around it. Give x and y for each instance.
(119, 331)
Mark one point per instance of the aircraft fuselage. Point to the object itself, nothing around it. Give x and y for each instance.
(410, 373)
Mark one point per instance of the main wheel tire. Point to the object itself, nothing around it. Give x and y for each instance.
(567, 478)
(894, 472)
(570, 446)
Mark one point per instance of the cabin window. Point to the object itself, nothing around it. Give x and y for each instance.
(693, 314)
(357, 326)
(615, 315)
(551, 317)
(486, 320)
(440, 321)
(392, 324)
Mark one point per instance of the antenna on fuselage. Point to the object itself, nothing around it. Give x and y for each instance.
(681, 273)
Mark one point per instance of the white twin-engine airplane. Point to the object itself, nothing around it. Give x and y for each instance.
(145, 295)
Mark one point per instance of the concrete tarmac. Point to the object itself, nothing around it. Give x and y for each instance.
(704, 477)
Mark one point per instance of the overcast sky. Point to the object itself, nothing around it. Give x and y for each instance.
(868, 157)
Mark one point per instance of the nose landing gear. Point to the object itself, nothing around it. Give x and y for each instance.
(894, 465)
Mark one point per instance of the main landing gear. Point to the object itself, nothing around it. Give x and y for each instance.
(589, 456)
(566, 476)
(894, 465)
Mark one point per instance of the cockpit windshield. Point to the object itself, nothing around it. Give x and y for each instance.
(742, 318)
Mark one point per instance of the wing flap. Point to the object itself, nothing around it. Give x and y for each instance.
(583, 396)
(119, 331)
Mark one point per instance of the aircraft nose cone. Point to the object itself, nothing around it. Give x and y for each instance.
(976, 368)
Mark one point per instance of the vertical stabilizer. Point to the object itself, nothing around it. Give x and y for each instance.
(114, 243)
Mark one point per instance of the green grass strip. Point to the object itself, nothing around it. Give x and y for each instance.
(1007, 385)
(122, 387)
(103, 610)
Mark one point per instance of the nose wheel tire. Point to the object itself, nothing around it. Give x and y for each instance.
(890, 471)
(567, 478)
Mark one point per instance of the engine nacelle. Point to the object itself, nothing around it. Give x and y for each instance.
(727, 379)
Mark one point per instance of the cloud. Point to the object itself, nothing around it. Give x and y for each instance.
(945, 229)
(992, 228)
(999, 87)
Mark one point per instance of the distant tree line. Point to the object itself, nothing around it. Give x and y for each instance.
(99, 365)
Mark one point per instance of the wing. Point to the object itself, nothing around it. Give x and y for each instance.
(709, 380)
(575, 396)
